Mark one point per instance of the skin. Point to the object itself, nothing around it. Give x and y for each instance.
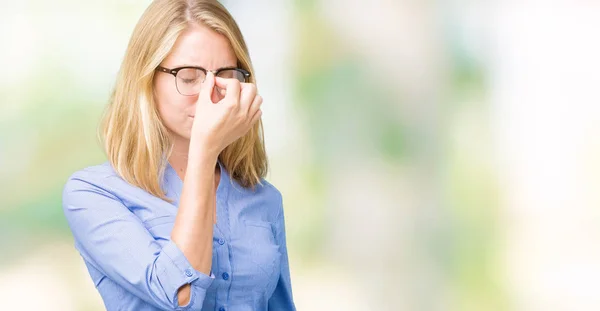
(201, 127)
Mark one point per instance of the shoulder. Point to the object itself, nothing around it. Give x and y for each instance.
(270, 191)
(267, 193)
(99, 178)
(273, 196)
(92, 174)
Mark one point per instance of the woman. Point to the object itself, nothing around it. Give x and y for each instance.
(180, 217)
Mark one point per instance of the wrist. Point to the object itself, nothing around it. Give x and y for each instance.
(203, 147)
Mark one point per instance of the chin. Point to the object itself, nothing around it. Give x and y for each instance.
(181, 134)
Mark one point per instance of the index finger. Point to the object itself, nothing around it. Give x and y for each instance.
(232, 87)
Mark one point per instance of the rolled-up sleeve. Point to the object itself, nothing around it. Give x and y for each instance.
(113, 240)
(282, 298)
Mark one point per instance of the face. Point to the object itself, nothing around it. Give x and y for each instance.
(196, 46)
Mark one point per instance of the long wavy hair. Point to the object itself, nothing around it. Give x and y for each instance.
(135, 139)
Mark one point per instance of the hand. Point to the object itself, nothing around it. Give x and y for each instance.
(219, 124)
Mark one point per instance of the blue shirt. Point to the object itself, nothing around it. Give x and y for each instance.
(123, 235)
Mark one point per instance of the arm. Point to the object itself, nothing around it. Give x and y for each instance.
(282, 299)
(193, 228)
(115, 241)
(215, 127)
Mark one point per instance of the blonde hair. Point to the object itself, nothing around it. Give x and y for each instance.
(136, 141)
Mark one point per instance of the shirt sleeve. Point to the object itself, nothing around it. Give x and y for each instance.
(113, 240)
(282, 299)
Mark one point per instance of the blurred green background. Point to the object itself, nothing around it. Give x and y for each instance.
(432, 155)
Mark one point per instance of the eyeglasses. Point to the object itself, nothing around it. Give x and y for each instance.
(188, 80)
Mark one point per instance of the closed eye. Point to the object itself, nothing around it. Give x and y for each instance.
(189, 81)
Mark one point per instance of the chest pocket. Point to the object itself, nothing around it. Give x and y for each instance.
(263, 251)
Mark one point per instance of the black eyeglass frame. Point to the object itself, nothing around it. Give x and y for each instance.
(174, 72)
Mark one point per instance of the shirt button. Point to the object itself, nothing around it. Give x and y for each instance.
(225, 276)
(221, 241)
(188, 272)
(221, 309)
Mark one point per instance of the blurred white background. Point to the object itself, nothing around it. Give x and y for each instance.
(433, 155)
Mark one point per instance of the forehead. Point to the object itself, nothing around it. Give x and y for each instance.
(201, 46)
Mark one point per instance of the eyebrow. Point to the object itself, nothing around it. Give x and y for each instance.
(191, 65)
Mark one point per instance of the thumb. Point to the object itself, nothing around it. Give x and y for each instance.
(208, 85)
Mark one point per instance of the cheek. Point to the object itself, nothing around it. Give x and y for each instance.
(173, 108)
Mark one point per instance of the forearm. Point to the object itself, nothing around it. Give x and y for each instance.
(193, 228)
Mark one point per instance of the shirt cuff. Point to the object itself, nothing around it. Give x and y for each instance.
(180, 272)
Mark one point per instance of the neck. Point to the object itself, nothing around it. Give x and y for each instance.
(179, 156)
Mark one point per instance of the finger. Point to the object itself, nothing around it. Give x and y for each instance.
(246, 84)
(207, 86)
(256, 117)
(247, 97)
(256, 103)
(232, 87)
